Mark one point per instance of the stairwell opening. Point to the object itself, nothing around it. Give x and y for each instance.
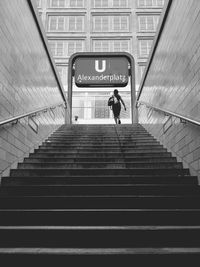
(88, 102)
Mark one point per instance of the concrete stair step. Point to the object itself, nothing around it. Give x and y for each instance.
(103, 150)
(105, 139)
(100, 256)
(94, 193)
(98, 237)
(97, 179)
(107, 154)
(100, 190)
(98, 171)
(100, 202)
(77, 158)
(101, 217)
(106, 165)
(101, 145)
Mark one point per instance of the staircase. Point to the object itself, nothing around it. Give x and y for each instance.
(100, 193)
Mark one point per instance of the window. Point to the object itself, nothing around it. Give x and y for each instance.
(100, 3)
(57, 3)
(120, 3)
(110, 23)
(62, 70)
(66, 23)
(66, 3)
(121, 46)
(141, 69)
(109, 3)
(101, 46)
(76, 3)
(56, 23)
(148, 23)
(74, 46)
(120, 23)
(57, 48)
(150, 3)
(101, 109)
(111, 46)
(145, 47)
(38, 3)
(100, 23)
(66, 48)
(76, 23)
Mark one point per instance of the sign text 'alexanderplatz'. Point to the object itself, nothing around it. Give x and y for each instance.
(101, 71)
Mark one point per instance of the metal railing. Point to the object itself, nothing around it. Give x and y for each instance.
(170, 113)
(29, 114)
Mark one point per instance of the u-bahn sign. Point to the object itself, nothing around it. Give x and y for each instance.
(101, 71)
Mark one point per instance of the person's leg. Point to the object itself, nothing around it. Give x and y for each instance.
(119, 121)
(115, 118)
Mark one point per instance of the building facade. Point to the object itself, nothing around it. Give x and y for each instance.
(99, 26)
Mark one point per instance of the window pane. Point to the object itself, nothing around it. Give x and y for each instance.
(105, 24)
(148, 23)
(57, 3)
(150, 3)
(124, 23)
(74, 46)
(53, 24)
(38, 3)
(76, 23)
(145, 47)
(62, 70)
(120, 3)
(52, 45)
(120, 23)
(141, 70)
(76, 3)
(100, 3)
(61, 22)
(60, 49)
(79, 23)
(100, 23)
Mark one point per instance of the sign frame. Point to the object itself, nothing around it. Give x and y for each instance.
(131, 73)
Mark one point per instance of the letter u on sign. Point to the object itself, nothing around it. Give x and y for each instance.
(103, 66)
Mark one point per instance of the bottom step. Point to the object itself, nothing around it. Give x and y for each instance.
(99, 257)
(99, 251)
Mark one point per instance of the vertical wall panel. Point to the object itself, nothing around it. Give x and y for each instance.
(27, 83)
(173, 83)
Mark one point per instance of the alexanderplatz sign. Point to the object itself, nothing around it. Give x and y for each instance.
(102, 70)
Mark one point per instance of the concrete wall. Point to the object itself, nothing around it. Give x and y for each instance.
(172, 82)
(28, 81)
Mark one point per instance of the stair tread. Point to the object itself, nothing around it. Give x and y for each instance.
(101, 228)
(116, 182)
(101, 251)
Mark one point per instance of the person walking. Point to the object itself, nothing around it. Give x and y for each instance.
(115, 105)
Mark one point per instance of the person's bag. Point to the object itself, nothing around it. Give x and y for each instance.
(110, 101)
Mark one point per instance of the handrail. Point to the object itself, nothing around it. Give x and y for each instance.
(183, 118)
(16, 118)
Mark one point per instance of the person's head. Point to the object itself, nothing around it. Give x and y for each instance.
(116, 92)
